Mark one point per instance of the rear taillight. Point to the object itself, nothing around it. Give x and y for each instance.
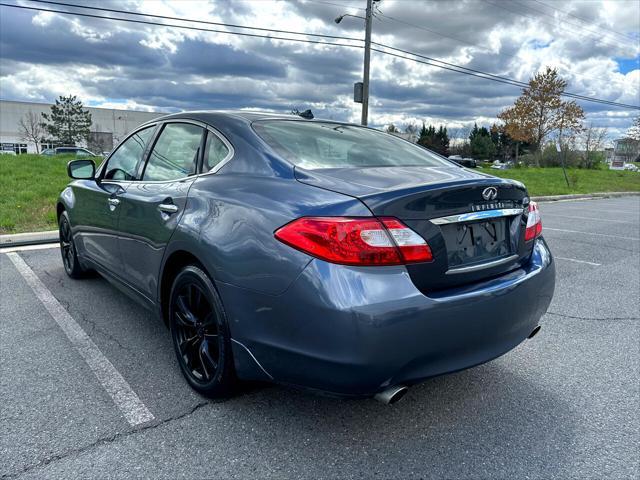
(534, 223)
(356, 240)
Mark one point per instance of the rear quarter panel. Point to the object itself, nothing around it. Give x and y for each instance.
(230, 220)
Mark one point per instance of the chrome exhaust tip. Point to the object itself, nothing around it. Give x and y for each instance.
(391, 395)
(534, 332)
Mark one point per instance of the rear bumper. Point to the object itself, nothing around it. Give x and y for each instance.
(357, 330)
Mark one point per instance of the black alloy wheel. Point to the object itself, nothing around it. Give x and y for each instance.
(68, 249)
(200, 333)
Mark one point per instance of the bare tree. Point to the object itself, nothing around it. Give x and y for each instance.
(31, 129)
(634, 131)
(594, 139)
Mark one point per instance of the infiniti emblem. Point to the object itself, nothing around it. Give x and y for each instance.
(490, 193)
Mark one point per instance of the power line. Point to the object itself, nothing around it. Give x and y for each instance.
(622, 35)
(206, 22)
(445, 66)
(339, 5)
(570, 23)
(490, 76)
(496, 77)
(170, 25)
(420, 27)
(524, 14)
(463, 41)
(165, 17)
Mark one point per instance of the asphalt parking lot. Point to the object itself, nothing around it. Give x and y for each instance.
(563, 405)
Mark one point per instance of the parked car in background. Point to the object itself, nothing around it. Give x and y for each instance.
(465, 162)
(313, 253)
(498, 165)
(77, 151)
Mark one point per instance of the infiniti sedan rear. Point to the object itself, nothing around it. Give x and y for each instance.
(316, 254)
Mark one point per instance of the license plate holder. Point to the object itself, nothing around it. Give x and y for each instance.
(476, 242)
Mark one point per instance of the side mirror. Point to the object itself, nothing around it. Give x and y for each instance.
(81, 169)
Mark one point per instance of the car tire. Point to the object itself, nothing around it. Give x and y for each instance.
(200, 334)
(68, 249)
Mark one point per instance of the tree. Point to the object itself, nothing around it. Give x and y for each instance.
(30, 129)
(68, 122)
(436, 140)
(480, 143)
(518, 125)
(593, 139)
(392, 129)
(634, 131)
(540, 110)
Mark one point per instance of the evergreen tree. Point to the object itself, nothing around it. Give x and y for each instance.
(443, 141)
(436, 140)
(481, 143)
(68, 121)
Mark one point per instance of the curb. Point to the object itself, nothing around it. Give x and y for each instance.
(31, 238)
(51, 236)
(583, 196)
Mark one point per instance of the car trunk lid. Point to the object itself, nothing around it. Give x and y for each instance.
(473, 222)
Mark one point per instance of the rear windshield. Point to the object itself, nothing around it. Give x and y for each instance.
(316, 145)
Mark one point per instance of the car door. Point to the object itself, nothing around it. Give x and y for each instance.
(97, 211)
(152, 206)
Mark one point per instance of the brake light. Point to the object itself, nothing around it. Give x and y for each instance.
(356, 240)
(534, 223)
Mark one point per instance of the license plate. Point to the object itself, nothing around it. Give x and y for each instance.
(475, 242)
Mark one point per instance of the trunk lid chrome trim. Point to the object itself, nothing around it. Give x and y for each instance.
(480, 266)
(482, 215)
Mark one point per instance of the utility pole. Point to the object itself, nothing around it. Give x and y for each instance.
(361, 90)
(367, 61)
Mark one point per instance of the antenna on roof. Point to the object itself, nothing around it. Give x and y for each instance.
(308, 114)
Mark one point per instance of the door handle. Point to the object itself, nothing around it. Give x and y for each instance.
(113, 203)
(168, 208)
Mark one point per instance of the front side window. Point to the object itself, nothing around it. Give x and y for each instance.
(175, 153)
(316, 145)
(122, 164)
(215, 151)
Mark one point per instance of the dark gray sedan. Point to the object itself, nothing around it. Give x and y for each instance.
(310, 253)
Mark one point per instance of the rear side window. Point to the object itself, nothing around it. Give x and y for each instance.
(122, 164)
(175, 153)
(215, 151)
(316, 145)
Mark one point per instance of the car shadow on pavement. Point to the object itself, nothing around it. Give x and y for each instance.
(476, 423)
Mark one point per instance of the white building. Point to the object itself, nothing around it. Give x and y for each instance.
(108, 125)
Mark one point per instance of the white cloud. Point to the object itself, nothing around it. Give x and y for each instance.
(109, 63)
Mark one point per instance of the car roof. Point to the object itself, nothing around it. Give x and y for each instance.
(211, 116)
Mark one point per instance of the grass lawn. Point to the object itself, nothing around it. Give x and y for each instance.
(550, 181)
(30, 185)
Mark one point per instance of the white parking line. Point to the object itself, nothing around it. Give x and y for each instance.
(582, 209)
(25, 248)
(549, 214)
(116, 386)
(590, 233)
(577, 261)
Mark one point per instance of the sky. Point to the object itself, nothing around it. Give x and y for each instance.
(594, 45)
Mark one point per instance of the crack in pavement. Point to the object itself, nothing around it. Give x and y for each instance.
(103, 441)
(601, 319)
(94, 328)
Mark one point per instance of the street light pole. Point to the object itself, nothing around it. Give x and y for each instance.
(367, 61)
